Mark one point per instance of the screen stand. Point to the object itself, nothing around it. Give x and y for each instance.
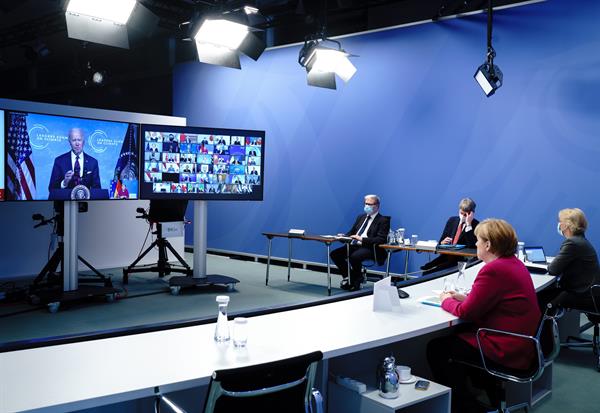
(200, 278)
(66, 256)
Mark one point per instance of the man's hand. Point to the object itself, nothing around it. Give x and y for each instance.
(68, 177)
(469, 218)
(356, 237)
(446, 240)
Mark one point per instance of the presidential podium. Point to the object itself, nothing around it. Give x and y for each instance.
(67, 194)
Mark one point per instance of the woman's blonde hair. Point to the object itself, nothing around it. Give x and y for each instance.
(574, 219)
(500, 234)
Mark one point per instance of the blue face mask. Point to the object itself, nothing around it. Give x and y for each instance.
(369, 209)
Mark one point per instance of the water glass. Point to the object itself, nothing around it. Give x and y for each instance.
(400, 235)
(240, 331)
(449, 284)
(414, 238)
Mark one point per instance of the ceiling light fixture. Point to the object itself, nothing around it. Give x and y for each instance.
(221, 38)
(322, 63)
(117, 11)
(488, 75)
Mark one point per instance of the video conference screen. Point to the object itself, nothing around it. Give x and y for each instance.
(1, 155)
(202, 163)
(51, 157)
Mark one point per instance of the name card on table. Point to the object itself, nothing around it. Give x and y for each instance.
(385, 296)
(296, 232)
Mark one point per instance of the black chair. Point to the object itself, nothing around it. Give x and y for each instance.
(592, 312)
(279, 386)
(547, 346)
(374, 262)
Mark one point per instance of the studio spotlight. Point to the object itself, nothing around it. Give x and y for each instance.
(98, 77)
(488, 75)
(104, 21)
(117, 11)
(220, 38)
(323, 63)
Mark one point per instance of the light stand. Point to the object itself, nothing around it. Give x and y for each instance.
(488, 75)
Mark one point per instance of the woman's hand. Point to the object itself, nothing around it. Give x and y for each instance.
(452, 294)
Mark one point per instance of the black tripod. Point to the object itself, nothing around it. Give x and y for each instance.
(47, 285)
(162, 267)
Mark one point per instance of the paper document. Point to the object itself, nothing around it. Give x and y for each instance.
(426, 245)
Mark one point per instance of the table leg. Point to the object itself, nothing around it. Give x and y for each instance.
(328, 269)
(348, 259)
(387, 267)
(289, 257)
(268, 261)
(406, 265)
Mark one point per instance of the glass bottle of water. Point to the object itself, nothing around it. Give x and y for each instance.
(222, 327)
(400, 235)
(521, 250)
(391, 238)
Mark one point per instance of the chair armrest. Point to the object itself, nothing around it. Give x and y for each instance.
(315, 396)
(168, 402)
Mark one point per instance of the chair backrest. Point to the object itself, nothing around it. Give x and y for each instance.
(279, 386)
(595, 291)
(546, 343)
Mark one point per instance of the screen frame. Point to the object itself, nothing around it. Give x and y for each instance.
(5, 139)
(202, 196)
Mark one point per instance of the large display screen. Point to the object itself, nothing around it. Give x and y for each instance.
(1, 155)
(52, 157)
(202, 163)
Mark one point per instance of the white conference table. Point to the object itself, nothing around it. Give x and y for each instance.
(94, 373)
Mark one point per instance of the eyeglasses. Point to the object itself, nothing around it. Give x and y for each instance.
(366, 203)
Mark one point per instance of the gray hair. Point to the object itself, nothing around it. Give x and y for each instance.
(375, 197)
(467, 205)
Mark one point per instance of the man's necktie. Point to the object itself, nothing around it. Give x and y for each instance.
(458, 232)
(362, 228)
(77, 171)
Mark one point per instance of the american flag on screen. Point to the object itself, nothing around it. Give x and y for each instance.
(20, 172)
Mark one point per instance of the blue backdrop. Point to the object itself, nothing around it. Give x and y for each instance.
(414, 127)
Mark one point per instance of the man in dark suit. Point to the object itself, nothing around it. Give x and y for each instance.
(369, 230)
(458, 230)
(75, 167)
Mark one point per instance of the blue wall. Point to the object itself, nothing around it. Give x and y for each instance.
(414, 127)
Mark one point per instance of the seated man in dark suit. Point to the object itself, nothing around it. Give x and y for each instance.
(75, 167)
(458, 230)
(369, 229)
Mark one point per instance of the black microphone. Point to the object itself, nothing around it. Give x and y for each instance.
(37, 217)
(140, 210)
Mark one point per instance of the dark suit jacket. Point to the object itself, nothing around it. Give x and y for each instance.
(377, 234)
(62, 164)
(578, 263)
(466, 238)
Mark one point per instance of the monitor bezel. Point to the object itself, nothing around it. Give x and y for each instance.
(5, 137)
(203, 196)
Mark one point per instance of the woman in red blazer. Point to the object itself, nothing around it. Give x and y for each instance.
(502, 297)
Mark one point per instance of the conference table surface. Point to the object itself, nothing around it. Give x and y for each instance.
(93, 373)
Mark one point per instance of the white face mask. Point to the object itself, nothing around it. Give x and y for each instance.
(559, 230)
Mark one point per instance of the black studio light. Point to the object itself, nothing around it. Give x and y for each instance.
(488, 75)
(323, 63)
(221, 38)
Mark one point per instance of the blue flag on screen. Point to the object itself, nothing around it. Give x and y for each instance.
(126, 168)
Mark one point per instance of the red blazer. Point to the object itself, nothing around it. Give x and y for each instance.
(503, 298)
